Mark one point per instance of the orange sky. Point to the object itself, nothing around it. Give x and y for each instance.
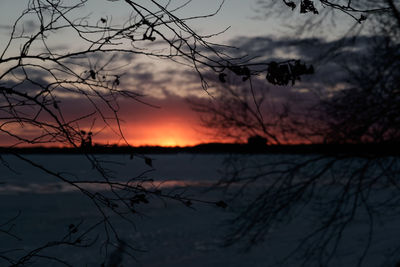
(172, 124)
(167, 134)
(163, 83)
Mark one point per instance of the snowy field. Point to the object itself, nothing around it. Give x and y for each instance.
(167, 233)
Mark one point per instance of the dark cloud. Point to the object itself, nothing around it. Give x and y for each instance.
(306, 48)
(328, 57)
(331, 61)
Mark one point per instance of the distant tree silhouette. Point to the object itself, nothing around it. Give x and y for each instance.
(86, 141)
(239, 110)
(257, 140)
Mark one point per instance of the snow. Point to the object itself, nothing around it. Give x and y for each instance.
(169, 233)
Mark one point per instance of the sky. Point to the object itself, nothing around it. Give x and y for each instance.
(162, 116)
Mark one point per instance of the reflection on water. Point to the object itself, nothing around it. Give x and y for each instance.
(62, 187)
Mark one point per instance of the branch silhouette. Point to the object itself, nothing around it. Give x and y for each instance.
(353, 140)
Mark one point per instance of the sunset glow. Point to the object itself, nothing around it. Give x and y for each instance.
(161, 116)
(167, 134)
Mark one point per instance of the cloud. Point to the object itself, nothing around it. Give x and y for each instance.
(168, 86)
(5, 27)
(27, 26)
(331, 60)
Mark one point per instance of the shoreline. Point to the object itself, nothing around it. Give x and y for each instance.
(220, 148)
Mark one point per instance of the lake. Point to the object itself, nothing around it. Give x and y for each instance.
(164, 232)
